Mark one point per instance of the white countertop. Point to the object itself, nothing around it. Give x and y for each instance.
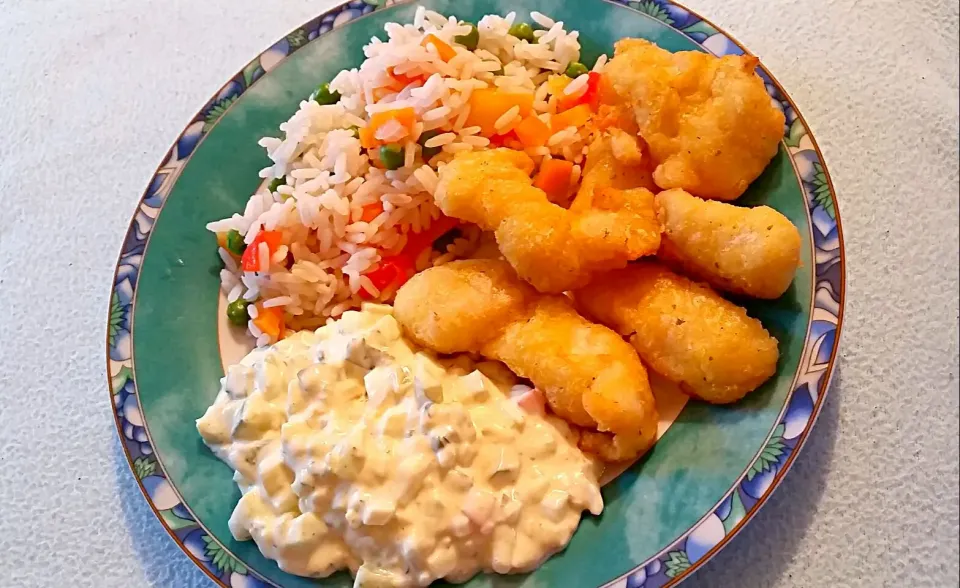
(93, 93)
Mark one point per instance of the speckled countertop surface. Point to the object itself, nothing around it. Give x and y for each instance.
(93, 93)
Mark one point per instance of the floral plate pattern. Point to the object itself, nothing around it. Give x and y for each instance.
(686, 552)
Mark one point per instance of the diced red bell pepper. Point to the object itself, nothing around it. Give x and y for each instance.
(590, 97)
(504, 139)
(397, 269)
(404, 80)
(417, 242)
(392, 271)
(250, 262)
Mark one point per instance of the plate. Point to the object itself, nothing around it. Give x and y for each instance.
(665, 515)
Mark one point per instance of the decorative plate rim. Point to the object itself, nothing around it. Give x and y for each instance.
(775, 456)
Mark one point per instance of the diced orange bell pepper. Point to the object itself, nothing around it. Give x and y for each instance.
(532, 131)
(554, 178)
(446, 52)
(489, 104)
(575, 117)
(270, 321)
(367, 139)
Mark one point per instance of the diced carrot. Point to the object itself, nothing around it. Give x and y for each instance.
(575, 117)
(250, 261)
(446, 52)
(371, 211)
(532, 131)
(405, 116)
(222, 240)
(489, 104)
(554, 178)
(270, 321)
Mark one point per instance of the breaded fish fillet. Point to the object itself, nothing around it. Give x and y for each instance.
(709, 122)
(684, 331)
(552, 248)
(751, 251)
(614, 160)
(590, 376)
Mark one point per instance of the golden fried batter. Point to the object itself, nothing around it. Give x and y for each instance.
(614, 160)
(552, 248)
(751, 251)
(589, 375)
(684, 331)
(709, 122)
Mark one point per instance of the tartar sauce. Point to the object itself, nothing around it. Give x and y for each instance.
(354, 449)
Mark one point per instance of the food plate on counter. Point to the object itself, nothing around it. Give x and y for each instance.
(442, 291)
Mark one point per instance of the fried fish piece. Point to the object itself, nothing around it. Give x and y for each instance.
(552, 248)
(683, 330)
(590, 376)
(709, 122)
(750, 251)
(614, 160)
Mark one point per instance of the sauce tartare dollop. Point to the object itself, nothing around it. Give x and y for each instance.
(354, 449)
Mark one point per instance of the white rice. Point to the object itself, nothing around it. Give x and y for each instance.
(326, 211)
(507, 120)
(577, 86)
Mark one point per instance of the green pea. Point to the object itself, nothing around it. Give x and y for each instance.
(237, 312)
(276, 183)
(429, 152)
(522, 31)
(324, 95)
(235, 244)
(471, 39)
(575, 69)
(391, 156)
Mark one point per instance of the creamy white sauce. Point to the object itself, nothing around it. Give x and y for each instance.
(355, 450)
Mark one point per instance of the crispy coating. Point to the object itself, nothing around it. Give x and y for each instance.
(590, 376)
(750, 251)
(478, 299)
(614, 160)
(709, 122)
(552, 248)
(684, 331)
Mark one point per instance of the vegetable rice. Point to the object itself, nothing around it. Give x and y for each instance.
(346, 210)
